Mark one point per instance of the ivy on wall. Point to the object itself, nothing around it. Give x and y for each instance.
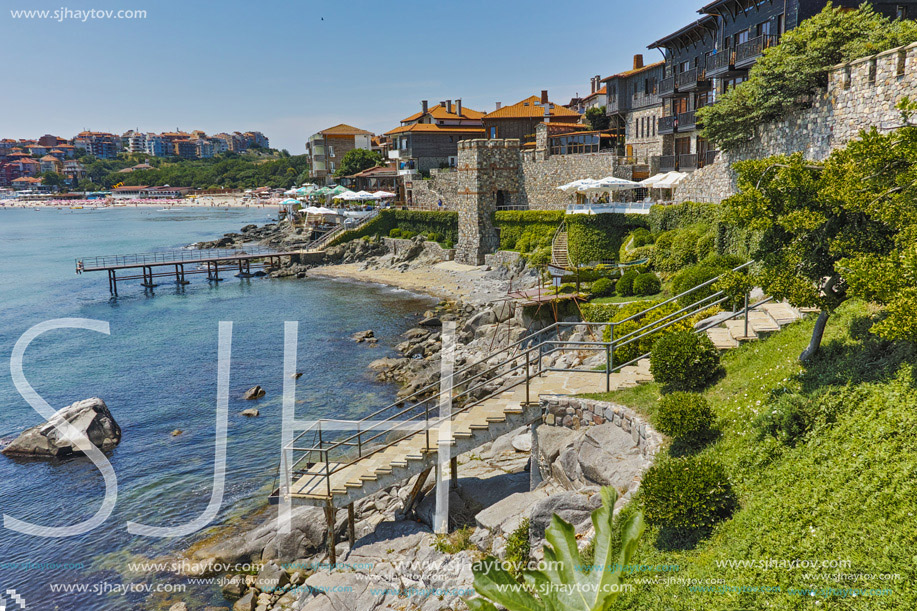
(596, 238)
(443, 222)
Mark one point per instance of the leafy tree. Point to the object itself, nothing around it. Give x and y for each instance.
(357, 160)
(597, 119)
(788, 73)
(806, 228)
(52, 179)
(874, 180)
(565, 583)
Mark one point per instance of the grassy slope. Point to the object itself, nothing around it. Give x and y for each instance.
(847, 491)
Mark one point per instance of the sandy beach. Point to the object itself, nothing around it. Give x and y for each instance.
(446, 280)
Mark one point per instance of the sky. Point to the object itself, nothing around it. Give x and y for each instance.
(290, 69)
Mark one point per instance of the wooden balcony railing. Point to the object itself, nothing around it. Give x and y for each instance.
(687, 163)
(707, 158)
(667, 124)
(666, 86)
(642, 100)
(721, 62)
(687, 121)
(668, 163)
(748, 52)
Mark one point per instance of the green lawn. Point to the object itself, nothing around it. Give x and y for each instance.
(847, 491)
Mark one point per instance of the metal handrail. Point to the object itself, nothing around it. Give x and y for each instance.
(169, 256)
(520, 364)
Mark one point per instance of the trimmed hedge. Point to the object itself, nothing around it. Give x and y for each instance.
(594, 238)
(646, 284)
(684, 361)
(441, 223)
(527, 230)
(603, 287)
(680, 216)
(687, 493)
(683, 415)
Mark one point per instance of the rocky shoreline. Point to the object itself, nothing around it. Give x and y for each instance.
(397, 562)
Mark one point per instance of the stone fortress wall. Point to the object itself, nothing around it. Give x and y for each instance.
(860, 95)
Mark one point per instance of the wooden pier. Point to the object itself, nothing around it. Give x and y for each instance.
(177, 264)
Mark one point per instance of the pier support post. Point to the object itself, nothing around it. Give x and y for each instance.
(351, 526)
(113, 282)
(329, 518)
(453, 473)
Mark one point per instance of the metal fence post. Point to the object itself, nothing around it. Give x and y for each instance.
(528, 376)
(745, 335)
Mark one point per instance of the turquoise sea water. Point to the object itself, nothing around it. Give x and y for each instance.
(157, 373)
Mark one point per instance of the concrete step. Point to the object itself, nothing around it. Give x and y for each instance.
(782, 313)
(722, 338)
(736, 328)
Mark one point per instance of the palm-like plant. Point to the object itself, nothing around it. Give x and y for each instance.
(564, 585)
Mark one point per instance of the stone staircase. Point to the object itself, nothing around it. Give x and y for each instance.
(467, 430)
(765, 319)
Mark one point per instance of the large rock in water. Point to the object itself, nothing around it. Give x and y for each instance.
(91, 417)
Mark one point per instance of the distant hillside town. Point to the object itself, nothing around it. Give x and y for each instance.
(23, 162)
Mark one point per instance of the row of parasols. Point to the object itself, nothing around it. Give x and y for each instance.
(590, 186)
(336, 192)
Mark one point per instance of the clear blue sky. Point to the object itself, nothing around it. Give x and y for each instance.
(277, 67)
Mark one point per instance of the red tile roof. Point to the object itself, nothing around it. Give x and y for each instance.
(531, 108)
(433, 128)
(343, 129)
(440, 112)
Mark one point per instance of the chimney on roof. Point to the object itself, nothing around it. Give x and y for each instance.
(449, 106)
(424, 105)
(544, 96)
(458, 106)
(638, 61)
(499, 105)
(592, 85)
(598, 82)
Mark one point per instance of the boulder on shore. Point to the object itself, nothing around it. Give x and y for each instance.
(90, 417)
(251, 412)
(256, 392)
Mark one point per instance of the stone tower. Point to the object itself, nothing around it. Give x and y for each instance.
(489, 178)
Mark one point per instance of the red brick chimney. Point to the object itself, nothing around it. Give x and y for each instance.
(638, 61)
(544, 96)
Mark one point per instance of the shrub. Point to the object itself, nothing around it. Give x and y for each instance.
(675, 249)
(603, 287)
(394, 233)
(788, 419)
(518, 549)
(455, 542)
(691, 277)
(687, 493)
(684, 361)
(641, 237)
(540, 256)
(683, 415)
(407, 235)
(644, 252)
(625, 285)
(646, 284)
(705, 246)
(598, 237)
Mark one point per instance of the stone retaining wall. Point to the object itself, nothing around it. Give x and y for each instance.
(861, 94)
(540, 179)
(575, 413)
(441, 186)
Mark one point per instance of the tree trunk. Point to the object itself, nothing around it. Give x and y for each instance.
(817, 333)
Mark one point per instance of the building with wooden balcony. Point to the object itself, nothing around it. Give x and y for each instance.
(519, 120)
(634, 106)
(714, 54)
(429, 139)
(685, 88)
